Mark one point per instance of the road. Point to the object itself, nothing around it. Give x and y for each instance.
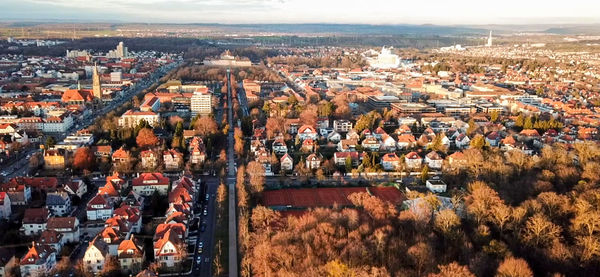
(204, 267)
(241, 94)
(233, 259)
(21, 167)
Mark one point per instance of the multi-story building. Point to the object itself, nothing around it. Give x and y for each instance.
(38, 260)
(342, 125)
(201, 103)
(132, 118)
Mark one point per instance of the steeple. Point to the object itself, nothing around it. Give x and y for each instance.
(96, 88)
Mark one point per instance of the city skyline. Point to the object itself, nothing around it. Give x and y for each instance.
(296, 11)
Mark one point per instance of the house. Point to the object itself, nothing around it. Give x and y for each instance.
(53, 239)
(99, 208)
(131, 255)
(433, 160)
(436, 185)
(334, 137)
(68, 226)
(149, 159)
(342, 125)
(19, 193)
(493, 138)
(112, 234)
(197, 155)
(38, 261)
(388, 143)
(132, 215)
(173, 159)
(462, 141)
(286, 163)
(75, 187)
(58, 203)
(390, 161)
(413, 160)
(279, 147)
(147, 183)
(403, 130)
(5, 210)
(371, 144)
(169, 248)
(406, 141)
(34, 221)
(457, 159)
(54, 159)
(352, 134)
(95, 255)
(7, 261)
(347, 145)
(121, 157)
(339, 158)
(307, 132)
(102, 151)
(379, 133)
(313, 161)
(528, 134)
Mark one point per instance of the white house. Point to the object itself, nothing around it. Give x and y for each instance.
(436, 185)
(58, 203)
(147, 183)
(286, 162)
(99, 208)
(433, 160)
(95, 255)
(307, 132)
(413, 160)
(390, 161)
(342, 125)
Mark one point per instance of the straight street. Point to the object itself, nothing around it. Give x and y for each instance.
(233, 259)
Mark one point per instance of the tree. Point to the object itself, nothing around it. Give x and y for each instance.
(84, 158)
(453, 270)
(478, 142)
(494, 116)
(309, 115)
(50, 142)
(472, 127)
(221, 193)
(256, 171)
(514, 267)
(239, 141)
(146, 138)
(447, 223)
(539, 231)
(111, 267)
(205, 126)
(424, 174)
(337, 269)
(528, 124)
(275, 125)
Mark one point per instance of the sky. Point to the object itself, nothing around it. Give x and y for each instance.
(441, 12)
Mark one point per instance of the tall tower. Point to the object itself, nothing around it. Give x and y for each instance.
(96, 88)
(489, 41)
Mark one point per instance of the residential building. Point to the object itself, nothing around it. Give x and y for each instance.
(133, 118)
(201, 102)
(147, 183)
(95, 255)
(54, 159)
(34, 221)
(313, 161)
(286, 162)
(173, 159)
(342, 125)
(413, 160)
(131, 255)
(390, 161)
(67, 226)
(58, 203)
(433, 160)
(99, 208)
(38, 260)
(436, 185)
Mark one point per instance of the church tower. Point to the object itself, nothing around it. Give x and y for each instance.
(96, 88)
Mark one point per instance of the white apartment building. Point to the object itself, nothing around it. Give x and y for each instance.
(201, 102)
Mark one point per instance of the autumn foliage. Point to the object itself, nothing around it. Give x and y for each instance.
(84, 158)
(146, 138)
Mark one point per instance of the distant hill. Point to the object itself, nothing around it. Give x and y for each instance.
(575, 30)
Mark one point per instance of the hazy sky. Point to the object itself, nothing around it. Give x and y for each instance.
(309, 11)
